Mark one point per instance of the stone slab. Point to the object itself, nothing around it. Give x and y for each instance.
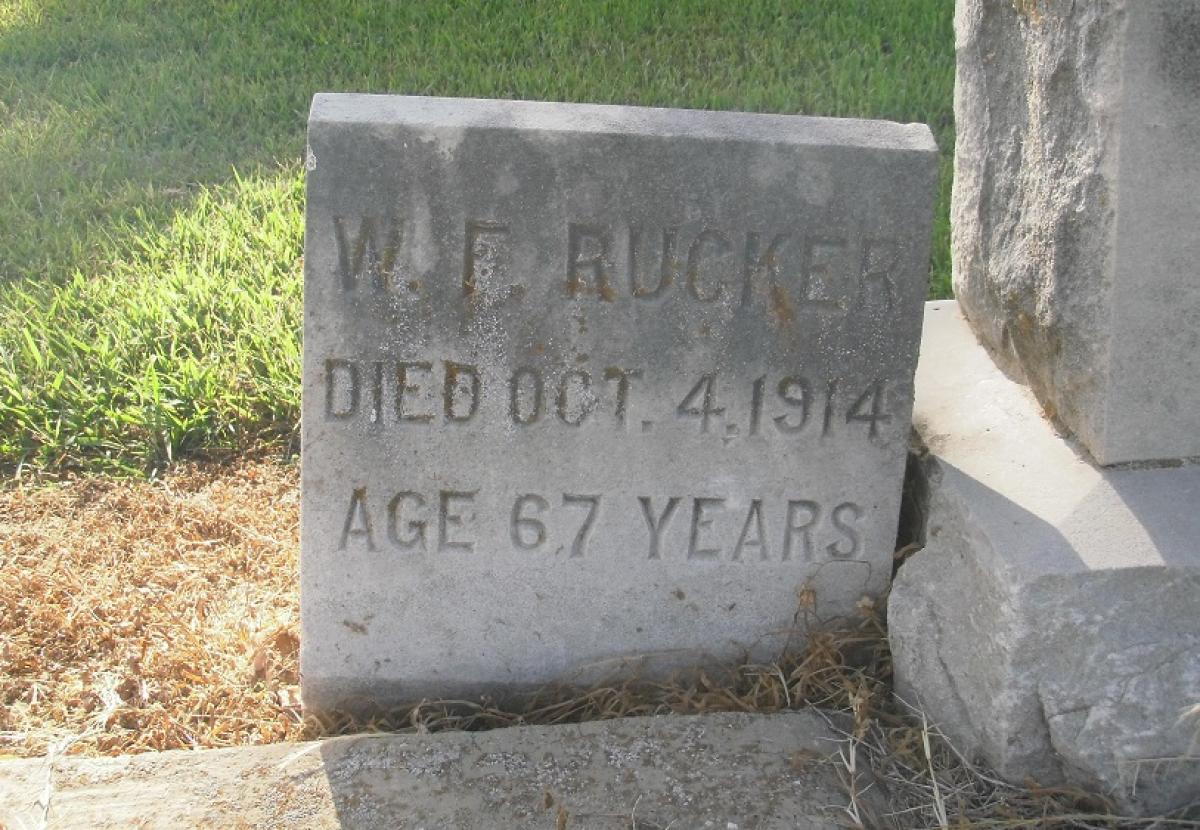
(1052, 622)
(592, 389)
(1074, 213)
(717, 771)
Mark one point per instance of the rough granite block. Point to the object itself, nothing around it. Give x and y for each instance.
(1075, 216)
(1051, 624)
(592, 389)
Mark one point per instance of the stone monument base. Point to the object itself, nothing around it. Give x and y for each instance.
(722, 770)
(1051, 624)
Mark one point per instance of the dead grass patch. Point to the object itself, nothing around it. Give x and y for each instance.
(150, 615)
(141, 616)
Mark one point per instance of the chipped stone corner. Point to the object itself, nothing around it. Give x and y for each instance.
(954, 630)
(1050, 624)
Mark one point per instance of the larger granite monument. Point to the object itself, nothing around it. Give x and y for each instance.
(1051, 625)
(1075, 212)
(593, 388)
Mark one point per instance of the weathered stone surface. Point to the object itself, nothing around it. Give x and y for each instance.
(1052, 622)
(719, 771)
(588, 387)
(1076, 257)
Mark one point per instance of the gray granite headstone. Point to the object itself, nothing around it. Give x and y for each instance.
(594, 389)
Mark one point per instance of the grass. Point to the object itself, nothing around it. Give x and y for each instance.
(150, 198)
(188, 343)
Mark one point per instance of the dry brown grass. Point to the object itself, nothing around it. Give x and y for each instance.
(142, 616)
(150, 615)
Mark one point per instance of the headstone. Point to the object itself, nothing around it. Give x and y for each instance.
(592, 389)
(1075, 216)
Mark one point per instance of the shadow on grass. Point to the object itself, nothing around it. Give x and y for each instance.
(115, 110)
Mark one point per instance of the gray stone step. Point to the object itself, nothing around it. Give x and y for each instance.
(751, 772)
